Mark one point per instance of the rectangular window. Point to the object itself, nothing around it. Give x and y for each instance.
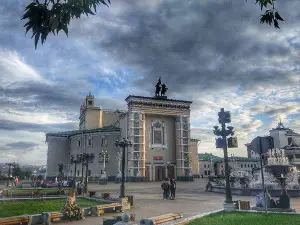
(241, 165)
(90, 141)
(205, 173)
(103, 142)
(204, 166)
(209, 173)
(78, 143)
(185, 134)
(157, 137)
(290, 140)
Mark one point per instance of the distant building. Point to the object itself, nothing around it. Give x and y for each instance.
(284, 138)
(158, 127)
(213, 165)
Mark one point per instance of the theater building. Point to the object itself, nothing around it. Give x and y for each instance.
(158, 127)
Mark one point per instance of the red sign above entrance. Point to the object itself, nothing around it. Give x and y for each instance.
(157, 158)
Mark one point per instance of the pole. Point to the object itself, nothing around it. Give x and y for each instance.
(104, 158)
(122, 191)
(74, 183)
(82, 164)
(262, 174)
(86, 176)
(228, 189)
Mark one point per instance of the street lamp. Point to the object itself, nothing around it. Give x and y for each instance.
(118, 159)
(9, 170)
(75, 162)
(103, 156)
(124, 143)
(88, 158)
(60, 168)
(225, 117)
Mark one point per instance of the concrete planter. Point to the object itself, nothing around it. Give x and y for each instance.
(185, 178)
(254, 191)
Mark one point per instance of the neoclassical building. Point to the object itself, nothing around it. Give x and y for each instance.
(158, 127)
(283, 138)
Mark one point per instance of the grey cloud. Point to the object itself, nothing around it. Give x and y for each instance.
(194, 46)
(34, 127)
(21, 145)
(273, 110)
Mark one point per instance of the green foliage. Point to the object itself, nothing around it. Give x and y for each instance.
(29, 207)
(241, 218)
(73, 212)
(55, 15)
(271, 16)
(52, 16)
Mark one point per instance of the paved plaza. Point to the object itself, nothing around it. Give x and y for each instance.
(191, 199)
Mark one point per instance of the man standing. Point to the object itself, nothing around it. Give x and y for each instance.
(165, 186)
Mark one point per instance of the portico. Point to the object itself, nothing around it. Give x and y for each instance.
(159, 129)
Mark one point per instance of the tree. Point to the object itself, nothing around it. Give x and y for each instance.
(52, 16)
(16, 171)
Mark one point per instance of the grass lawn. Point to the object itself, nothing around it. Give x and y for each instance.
(242, 218)
(45, 190)
(17, 208)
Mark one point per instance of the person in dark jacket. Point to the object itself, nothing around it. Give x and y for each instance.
(172, 187)
(284, 200)
(165, 186)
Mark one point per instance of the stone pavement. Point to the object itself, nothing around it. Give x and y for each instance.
(191, 199)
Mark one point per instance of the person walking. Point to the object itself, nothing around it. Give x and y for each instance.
(165, 186)
(172, 188)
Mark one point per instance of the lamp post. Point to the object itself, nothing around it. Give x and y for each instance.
(124, 143)
(87, 158)
(103, 157)
(60, 169)
(9, 170)
(225, 117)
(75, 162)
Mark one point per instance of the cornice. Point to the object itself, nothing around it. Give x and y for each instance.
(160, 103)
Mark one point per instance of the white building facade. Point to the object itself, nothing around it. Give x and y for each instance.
(159, 129)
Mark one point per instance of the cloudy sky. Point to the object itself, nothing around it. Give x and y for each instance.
(215, 53)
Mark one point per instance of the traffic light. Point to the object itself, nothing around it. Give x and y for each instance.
(219, 143)
(232, 142)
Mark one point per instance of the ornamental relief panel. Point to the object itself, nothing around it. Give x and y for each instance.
(157, 135)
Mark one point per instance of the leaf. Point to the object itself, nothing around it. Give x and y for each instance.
(278, 17)
(276, 25)
(36, 39)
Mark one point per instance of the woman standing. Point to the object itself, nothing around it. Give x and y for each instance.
(172, 188)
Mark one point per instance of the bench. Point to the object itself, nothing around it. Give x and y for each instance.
(56, 216)
(242, 205)
(112, 207)
(14, 220)
(261, 209)
(161, 219)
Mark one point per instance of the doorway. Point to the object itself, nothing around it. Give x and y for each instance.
(159, 173)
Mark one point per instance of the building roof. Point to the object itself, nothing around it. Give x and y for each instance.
(292, 133)
(242, 159)
(291, 146)
(75, 132)
(208, 156)
(153, 98)
(194, 140)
